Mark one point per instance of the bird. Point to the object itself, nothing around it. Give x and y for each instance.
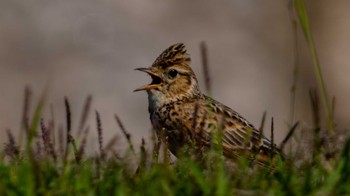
(183, 114)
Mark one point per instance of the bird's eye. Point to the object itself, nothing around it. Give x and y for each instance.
(172, 73)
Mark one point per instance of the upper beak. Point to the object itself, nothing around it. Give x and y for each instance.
(156, 79)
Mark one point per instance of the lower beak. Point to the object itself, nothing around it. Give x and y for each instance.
(156, 80)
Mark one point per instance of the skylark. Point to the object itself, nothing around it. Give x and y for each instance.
(182, 113)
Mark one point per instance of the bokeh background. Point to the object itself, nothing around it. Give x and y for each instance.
(82, 47)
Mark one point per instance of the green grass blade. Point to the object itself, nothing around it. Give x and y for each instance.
(304, 23)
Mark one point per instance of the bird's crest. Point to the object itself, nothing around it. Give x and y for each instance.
(175, 54)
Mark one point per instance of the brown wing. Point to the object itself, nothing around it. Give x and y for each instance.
(240, 138)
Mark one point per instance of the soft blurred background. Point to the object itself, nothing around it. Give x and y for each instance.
(82, 47)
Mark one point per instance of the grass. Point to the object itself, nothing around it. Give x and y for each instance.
(52, 160)
(305, 26)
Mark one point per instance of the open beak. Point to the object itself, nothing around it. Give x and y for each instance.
(156, 80)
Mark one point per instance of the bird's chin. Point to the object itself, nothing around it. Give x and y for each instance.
(156, 98)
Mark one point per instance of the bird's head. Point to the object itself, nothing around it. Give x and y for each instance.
(172, 77)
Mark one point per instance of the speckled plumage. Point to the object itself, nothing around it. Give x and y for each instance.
(175, 100)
